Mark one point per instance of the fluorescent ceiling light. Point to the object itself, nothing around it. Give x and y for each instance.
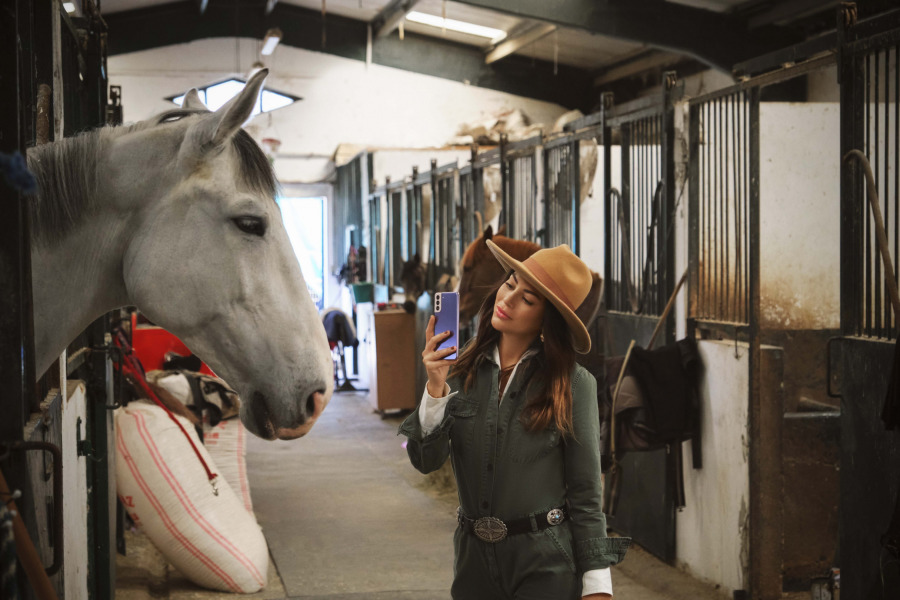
(273, 36)
(69, 6)
(461, 26)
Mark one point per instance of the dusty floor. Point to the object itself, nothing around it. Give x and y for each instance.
(347, 518)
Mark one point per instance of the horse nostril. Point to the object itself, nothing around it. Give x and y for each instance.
(314, 403)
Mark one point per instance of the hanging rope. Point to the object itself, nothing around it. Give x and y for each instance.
(132, 368)
(890, 279)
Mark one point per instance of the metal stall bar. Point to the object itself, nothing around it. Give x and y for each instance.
(639, 249)
(519, 166)
(395, 232)
(16, 351)
(346, 218)
(562, 182)
(16, 332)
(422, 190)
(376, 250)
(413, 217)
(471, 200)
(640, 241)
(445, 232)
(724, 183)
(870, 114)
(487, 168)
(869, 76)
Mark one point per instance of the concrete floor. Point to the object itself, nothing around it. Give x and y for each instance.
(347, 518)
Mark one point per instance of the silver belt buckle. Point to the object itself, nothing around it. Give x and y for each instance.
(555, 516)
(490, 529)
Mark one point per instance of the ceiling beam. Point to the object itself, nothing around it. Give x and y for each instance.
(717, 39)
(389, 17)
(787, 10)
(646, 61)
(518, 40)
(179, 23)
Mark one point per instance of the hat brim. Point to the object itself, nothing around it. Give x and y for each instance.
(581, 339)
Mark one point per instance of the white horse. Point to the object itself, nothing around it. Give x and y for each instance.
(177, 216)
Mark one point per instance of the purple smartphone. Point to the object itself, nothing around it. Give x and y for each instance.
(446, 318)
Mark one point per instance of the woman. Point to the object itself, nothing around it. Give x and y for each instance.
(519, 418)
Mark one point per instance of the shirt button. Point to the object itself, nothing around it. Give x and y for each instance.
(484, 505)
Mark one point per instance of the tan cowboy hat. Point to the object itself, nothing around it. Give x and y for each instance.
(561, 277)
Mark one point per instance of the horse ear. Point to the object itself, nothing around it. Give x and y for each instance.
(231, 117)
(489, 232)
(192, 101)
(501, 230)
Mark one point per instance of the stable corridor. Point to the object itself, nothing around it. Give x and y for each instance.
(347, 517)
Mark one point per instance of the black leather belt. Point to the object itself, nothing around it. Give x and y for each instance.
(492, 529)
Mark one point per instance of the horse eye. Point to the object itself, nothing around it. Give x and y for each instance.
(251, 225)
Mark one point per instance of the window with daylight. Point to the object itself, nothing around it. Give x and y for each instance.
(215, 95)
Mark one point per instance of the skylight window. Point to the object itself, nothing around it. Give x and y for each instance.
(215, 96)
(495, 35)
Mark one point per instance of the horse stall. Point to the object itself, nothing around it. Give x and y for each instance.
(869, 531)
(55, 435)
(640, 277)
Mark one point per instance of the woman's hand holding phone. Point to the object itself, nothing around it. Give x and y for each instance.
(436, 364)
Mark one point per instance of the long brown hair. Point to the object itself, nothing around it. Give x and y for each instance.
(554, 402)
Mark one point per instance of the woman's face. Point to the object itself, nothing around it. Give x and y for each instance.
(518, 309)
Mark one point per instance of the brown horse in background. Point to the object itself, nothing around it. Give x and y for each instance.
(480, 272)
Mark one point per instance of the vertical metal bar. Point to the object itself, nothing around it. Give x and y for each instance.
(726, 229)
(885, 300)
(717, 215)
(735, 160)
(896, 166)
(704, 224)
(15, 248)
(608, 217)
(625, 201)
(867, 307)
(639, 237)
(694, 183)
(575, 183)
(754, 409)
(876, 142)
(745, 205)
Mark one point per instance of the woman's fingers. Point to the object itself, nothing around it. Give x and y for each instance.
(429, 329)
(436, 357)
(433, 341)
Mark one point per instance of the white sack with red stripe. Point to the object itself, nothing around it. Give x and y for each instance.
(210, 538)
(227, 444)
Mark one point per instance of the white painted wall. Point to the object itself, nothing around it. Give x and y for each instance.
(344, 101)
(75, 532)
(800, 215)
(711, 529)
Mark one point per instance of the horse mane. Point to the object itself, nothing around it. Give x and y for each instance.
(68, 174)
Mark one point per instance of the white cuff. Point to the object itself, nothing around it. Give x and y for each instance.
(597, 581)
(431, 410)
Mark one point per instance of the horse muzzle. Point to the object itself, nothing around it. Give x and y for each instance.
(270, 425)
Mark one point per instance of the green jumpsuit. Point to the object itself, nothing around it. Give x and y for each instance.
(506, 472)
